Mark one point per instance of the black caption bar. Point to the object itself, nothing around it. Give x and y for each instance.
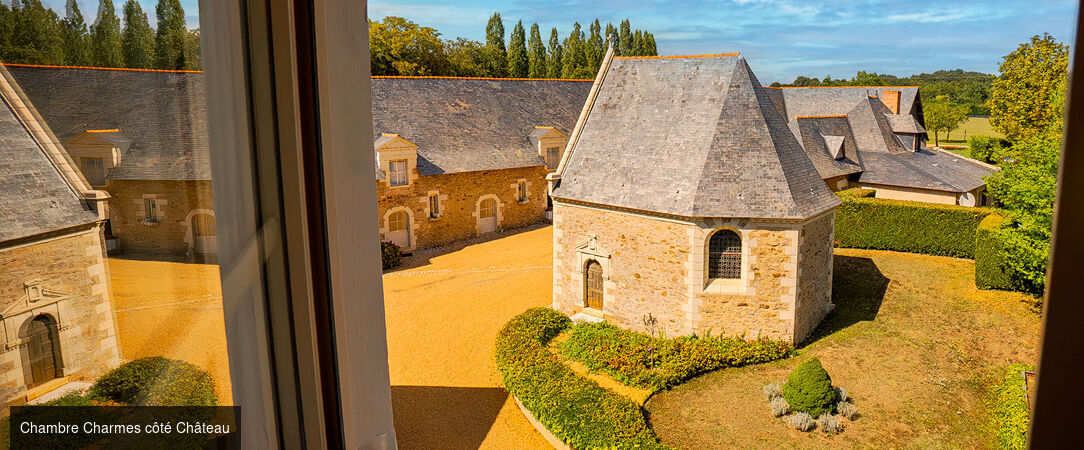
(124, 427)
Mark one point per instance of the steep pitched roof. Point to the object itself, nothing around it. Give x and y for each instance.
(812, 101)
(822, 137)
(164, 114)
(34, 197)
(692, 137)
(114, 137)
(463, 125)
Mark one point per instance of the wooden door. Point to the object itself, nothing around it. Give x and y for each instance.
(487, 215)
(593, 288)
(399, 229)
(203, 233)
(42, 358)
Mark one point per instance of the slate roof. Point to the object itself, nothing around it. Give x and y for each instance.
(924, 169)
(113, 137)
(164, 114)
(464, 125)
(34, 197)
(904, 123)
(812, 101)
(691, 137)
(820, 136)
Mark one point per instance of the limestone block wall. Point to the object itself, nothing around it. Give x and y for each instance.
(459, 195)
(917, 195)
(176, 200)
(74, 280)
(815, 252)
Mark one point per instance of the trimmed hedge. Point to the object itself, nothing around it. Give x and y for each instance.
(156, 381)
(991, 268)
(1010, 409)
(906, 226)
(809, 389)
(575, 409)
(648, 362)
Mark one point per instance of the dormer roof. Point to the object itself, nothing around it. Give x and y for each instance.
(391, 140)
(112, 137)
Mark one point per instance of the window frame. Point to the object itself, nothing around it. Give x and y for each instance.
(521, 191)
(100, 162)
(397, 178)
(151, 214)
(553, 160)
(434, 206)
(737, 258)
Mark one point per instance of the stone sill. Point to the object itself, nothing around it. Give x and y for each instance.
(725, 286)
(522, 202)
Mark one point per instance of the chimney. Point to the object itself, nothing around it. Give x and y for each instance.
(891, 99)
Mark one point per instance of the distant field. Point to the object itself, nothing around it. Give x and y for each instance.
(973, 126)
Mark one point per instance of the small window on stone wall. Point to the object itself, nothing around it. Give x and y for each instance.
(521, 191)
(150, 209)
(434, 205)
(398, 173)
(724, 255)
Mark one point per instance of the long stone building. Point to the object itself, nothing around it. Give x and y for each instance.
(56, 318)
(685, 200)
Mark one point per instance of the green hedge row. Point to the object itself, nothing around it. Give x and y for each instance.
(575, 409)
(906, 226)
(1010, 409)
(991, 268)
(654, 363)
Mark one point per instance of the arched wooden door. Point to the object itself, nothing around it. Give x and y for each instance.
(41, 351)
(592, 291)
(203, 234)
(399, 229)
(487, 215)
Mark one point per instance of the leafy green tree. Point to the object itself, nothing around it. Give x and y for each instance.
(624, 39)
(574, 59)
(7, 31)
(74, 31)
(595, 47)
(1019, 99)
(863, 78)
(137, 40)
(105, 37)
(36, 36)
(401, 47)
(466, 58)
(611, 34)
(637, 43)
(554, 64)
(496, 55)
(192, 50)
(942, 115)
(649, 45)
(517, 52)
(536, 54)
(171, 37)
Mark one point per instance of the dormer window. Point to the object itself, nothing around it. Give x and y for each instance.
(552, 158)
(397, 172)
(397, 158)
(548, 141)
(835, 146)
(93, 169)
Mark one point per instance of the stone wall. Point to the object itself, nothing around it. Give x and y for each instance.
(917, 195)
(177, 200)
(459, 195)
(815, 252)
(73, 279)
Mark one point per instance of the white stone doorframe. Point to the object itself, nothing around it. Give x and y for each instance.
(478, 213)
(190, 229)
(412, 226)
(586, 252)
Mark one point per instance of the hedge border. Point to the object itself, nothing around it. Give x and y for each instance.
(1009, 410)
(990, 263)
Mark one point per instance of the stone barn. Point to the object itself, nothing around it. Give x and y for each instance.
(56, 317)
(684, 197)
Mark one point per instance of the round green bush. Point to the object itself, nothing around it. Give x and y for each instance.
(390, 255)
(809, 389)
(157, 381)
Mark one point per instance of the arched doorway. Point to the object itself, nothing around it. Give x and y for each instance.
(399, 229)
(41, 354)
(592, 289)
(204, 238)
(487, 215)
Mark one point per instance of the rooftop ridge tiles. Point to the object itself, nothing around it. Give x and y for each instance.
(834, 87)
(821, 117)
(713, 55)
(112, 130)
(434, 77)
(123, 69)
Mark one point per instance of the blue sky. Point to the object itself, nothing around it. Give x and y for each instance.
(780, 38)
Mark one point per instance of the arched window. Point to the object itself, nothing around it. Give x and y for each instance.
(592, 289)
(724, 255)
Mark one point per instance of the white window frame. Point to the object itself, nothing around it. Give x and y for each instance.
(397, 178)
(553, 160)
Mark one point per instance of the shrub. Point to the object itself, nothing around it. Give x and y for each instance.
(639, 360)
(847, 409)
(575, 409)
(906, 226)
(986, 148)
(771, 390)
(72, 399)
(991, 268)
(829, 423)
(809, 388)
(841, 394)
(1010, 409)
(390, 255)
(779, 406)
(157, 381)
(801, 421)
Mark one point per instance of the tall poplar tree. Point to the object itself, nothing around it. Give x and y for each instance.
(637, 48)
(536, 54)
(496, 56)
(573, 59)
(624, 39)
(7, 31)
(517, 52)
(105, 37)
(611, 35)
(137, 41)
(649, 45)
(74, 31)
(595, 46)
(169, 42)
(553, 59)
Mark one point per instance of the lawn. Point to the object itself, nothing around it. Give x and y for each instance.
(972, 126)
(912, 340)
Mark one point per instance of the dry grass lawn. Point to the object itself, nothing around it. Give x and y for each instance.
(911, 339)
(443, 312)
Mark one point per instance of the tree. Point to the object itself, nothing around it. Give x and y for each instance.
(192, 50)
(172, 36)
(649, 45)
(863, 78)
(105, 37)
(401, 47)
(574, 61)
(137, 40)
(466, 58)
(624, 39)
(7, 31)
(36, 37)
(942, 115)
(595, 47)
(496, 56)
(1019, 99)
(611, 34)
(554, 55)
(517, 52)
(74, 31)
(637, 47)
(536, 54)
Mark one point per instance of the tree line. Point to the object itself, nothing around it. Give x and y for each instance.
(400, 47)
(968, 90)
(33, 34)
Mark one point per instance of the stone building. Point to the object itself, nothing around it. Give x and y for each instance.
(461, 157)
(141, 136)
(56, 320)
(685, 197)
(873, 137)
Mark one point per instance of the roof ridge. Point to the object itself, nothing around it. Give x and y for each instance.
(713, 55)
(829, 87)
(821, 117)
(123, 69)
(437, 77)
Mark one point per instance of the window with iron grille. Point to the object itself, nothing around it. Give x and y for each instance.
(724, 255)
